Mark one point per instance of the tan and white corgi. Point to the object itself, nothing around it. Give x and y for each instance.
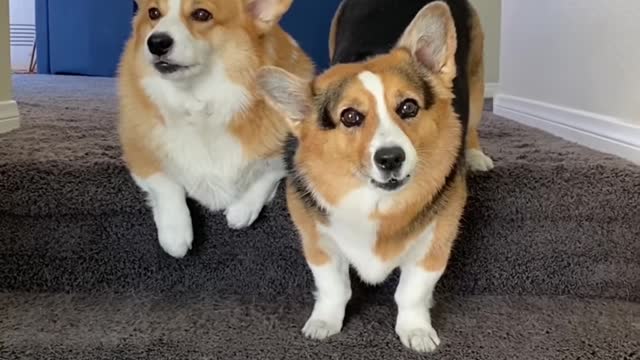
(377, 173)
(192, 123)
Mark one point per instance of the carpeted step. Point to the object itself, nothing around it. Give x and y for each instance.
(553, 218)
(197, 326)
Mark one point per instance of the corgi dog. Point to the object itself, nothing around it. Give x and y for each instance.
(191, 120)
(376, 161)
(364, 28)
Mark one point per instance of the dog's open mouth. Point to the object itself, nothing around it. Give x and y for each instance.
(165, 67)
(391, 184)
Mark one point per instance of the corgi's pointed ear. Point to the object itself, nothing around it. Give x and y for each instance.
(287, 93)
(431, 38)
(267, 13)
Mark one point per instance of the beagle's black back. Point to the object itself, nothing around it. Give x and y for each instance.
(366, 28)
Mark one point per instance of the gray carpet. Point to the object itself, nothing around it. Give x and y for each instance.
(199, 327)
(547, 265)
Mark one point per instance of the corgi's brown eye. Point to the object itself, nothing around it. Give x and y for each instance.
(201, 15)
(351, 117)
(408, 109)
(154, 14)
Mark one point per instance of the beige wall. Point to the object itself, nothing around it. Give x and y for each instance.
(5, 58)
(581, 55)
(490, 13)
(572, 68)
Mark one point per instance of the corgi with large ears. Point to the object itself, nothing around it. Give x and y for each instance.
(364, 28)
(191, 121)
(376, 172)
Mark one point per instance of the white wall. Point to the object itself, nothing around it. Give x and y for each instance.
(22, 16)
(572, 67)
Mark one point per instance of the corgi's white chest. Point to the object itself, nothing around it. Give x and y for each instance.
(207, 161)
(354, 236)
(195, 145)
(356, 242)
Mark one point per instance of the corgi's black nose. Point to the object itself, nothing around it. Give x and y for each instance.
(389, 158)
(159, 44)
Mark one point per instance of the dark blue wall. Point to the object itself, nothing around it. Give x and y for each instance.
(309, 21)
(42, 36)
(81, 36)
(86, 37)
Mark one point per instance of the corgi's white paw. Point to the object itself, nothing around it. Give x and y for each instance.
(243, 213)
(421, 339)
(170, 213)
(176, 235)
(318, 329)
(478, 161)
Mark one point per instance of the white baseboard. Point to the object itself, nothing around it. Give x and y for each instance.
(490, 90)
(599, 132)
(9, 116)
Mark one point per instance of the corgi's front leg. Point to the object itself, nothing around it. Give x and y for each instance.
(171, 214)
(330, 271)
(333, 291)
(413, 297)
